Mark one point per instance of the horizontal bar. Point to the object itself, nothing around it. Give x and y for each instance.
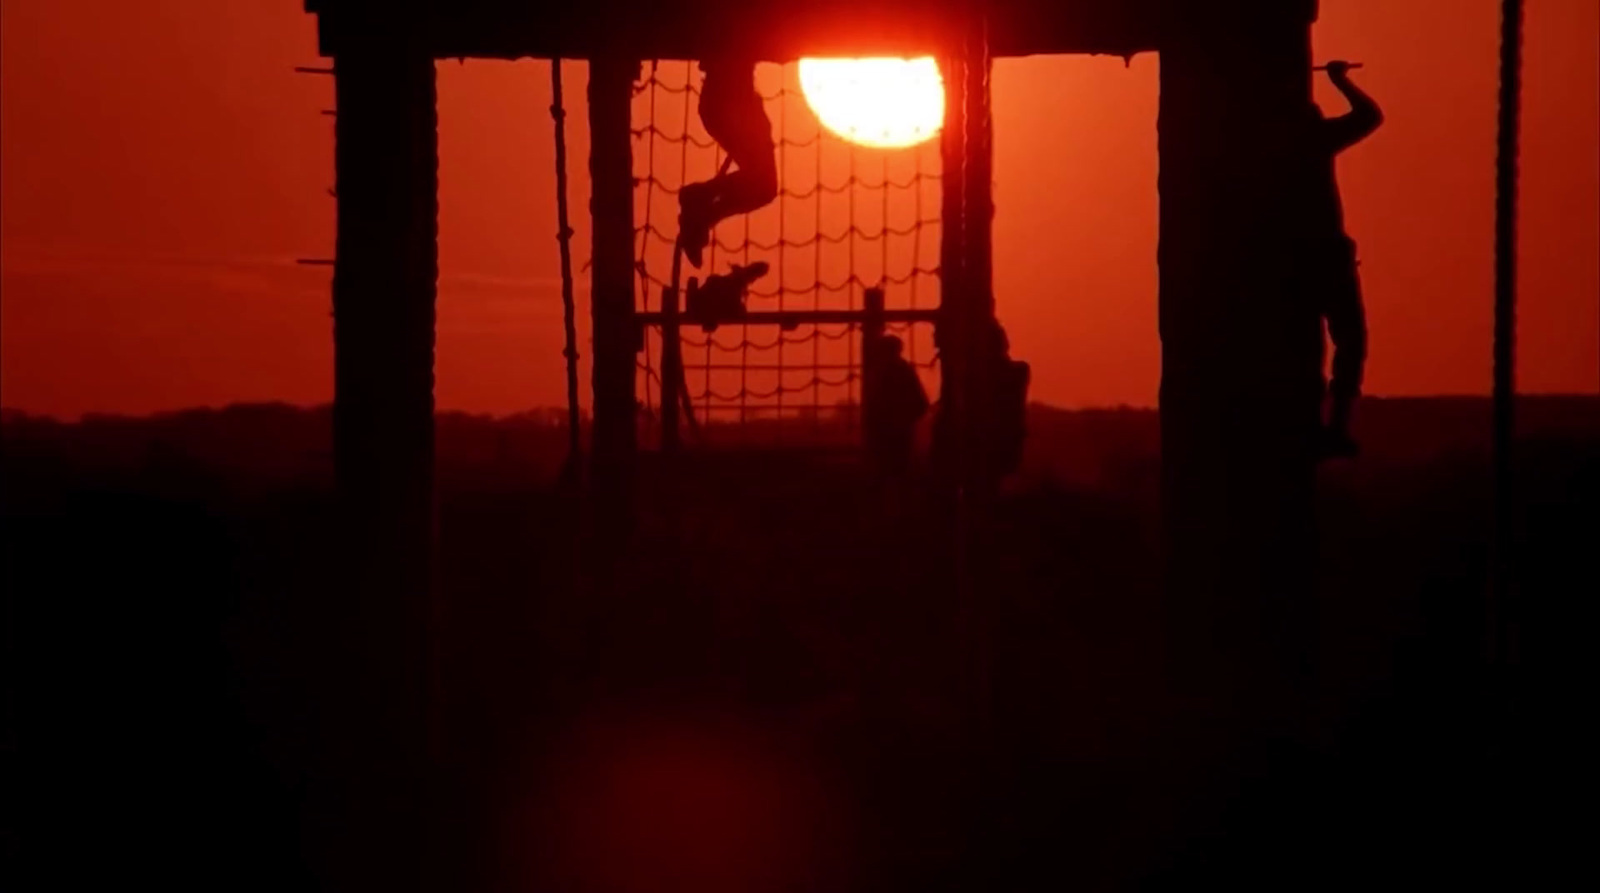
(802, 407)
(767, 367)
(793, 318)
(792, 368)
(756, 405)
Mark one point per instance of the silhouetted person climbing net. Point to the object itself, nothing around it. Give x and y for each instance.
(734, 115)
(1329, 258)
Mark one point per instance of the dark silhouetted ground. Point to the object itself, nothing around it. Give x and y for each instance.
(769, 697)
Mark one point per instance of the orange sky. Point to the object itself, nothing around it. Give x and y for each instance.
(161, 168)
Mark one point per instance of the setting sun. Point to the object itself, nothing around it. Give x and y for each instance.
(883, 103)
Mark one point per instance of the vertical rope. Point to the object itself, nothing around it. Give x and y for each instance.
(711, 258)
(564, 239)
(816, 299)
(883, 244)
(783, 235)
(962, 336)
(744, 351)
(1505, 320)
(644, 230)
(850, 291)
(683, 293)
(916, 252)
(986, 146)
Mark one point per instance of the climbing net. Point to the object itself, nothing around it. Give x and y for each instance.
(847, 218)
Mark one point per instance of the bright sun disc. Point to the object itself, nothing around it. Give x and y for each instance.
(883, 103)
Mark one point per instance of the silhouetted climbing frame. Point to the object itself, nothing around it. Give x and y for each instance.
(847, 218)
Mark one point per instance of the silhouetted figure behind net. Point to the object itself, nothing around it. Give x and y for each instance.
(1329, 259)
(999, 406)
(1004, 406)
(898, 403)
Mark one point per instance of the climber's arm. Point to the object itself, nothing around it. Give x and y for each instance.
(1363, 118)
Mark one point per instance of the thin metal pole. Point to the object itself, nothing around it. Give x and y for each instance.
(564, 238)
(1505, 324)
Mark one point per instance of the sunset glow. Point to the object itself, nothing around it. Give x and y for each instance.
(122, 234)
(882, 103)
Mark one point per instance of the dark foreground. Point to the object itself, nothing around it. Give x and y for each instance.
(776, 693)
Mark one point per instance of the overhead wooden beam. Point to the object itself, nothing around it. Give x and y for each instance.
(777, 32)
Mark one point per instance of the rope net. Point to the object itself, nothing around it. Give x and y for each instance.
(847, 218)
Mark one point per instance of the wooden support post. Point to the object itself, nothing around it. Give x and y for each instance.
(386, 161)
(1241, 344)
(953, 294)
(952, 185)
(978, 365)
(873, 329)
(671, 370)
(966, 268)
(967, 306)
(612, 297)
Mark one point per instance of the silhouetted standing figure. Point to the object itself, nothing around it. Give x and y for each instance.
(1330, 256)
(897, 405)
(1006, 405)
(999, 406)
(734, 115)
